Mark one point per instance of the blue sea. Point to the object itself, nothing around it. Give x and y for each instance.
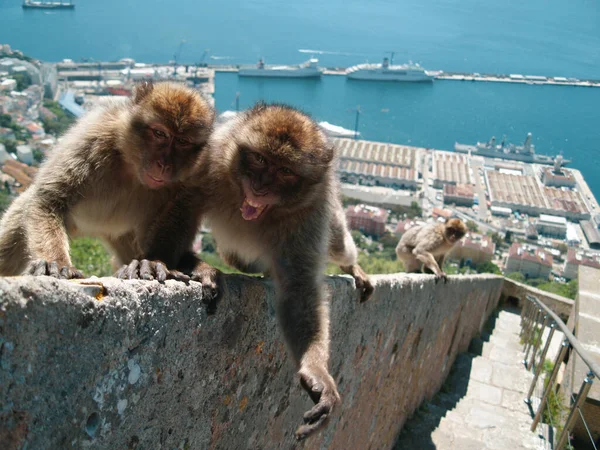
(536, 37)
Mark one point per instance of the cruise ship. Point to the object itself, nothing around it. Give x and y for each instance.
(388, 72)
(28, 4)
(309, 69)
(525, 152)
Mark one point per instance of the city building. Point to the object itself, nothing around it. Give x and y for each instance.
(500, 211)
(573, 239)
(404, 225)
(377, 164)
(441, 213)
(8, 85)
(7, 133)
(25, 154)
(459, 194)
(3, 154)
(474, 249)
(560, 178)
(67, 102)
(367, 219)
(551, 226)
(591, 233)
(373, 174)
(449, 168)
(531, 261)
(527, 195)
(579, 257)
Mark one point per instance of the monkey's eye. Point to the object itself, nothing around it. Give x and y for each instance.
(159, 133)
(258, 158)
(183, 141)
(286, 171)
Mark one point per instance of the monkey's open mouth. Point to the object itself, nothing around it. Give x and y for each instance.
(152, 181)
(252, 210)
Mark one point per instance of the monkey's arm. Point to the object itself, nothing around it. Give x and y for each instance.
(57, 188)
(303, 314)
(342, 251)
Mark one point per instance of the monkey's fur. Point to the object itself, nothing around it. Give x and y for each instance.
(118, 174)
(273, 207)
(428, 245)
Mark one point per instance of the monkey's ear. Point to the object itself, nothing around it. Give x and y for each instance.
(142, 90)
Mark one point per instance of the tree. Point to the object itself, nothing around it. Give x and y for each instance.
(5, 121)
(496, 238)
(38, 156)
(389, 240)
(487, 267)
(508, 236)
(517, 276)
(562, 247)
(472, 226)
(90, 256)
(23, 80)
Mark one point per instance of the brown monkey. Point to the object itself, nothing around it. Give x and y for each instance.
(428, 245)
(119, 174)
(271, 203)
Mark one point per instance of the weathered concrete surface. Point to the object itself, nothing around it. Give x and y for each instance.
(562, 306)
(140, 365)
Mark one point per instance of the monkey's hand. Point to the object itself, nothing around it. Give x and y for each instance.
(441, 276)
(362, 281)
(210, 278)
(51, 268)
(149, 270)
(322, 390)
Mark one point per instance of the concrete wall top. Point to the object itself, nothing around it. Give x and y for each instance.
(128, 364)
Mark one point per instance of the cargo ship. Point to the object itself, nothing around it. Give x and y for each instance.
(27, 4)
(490, 149)
(309, 69)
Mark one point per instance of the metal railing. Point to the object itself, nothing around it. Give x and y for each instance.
(536, 318)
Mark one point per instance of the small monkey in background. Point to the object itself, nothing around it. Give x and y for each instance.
(118, 174)
(271, 199)
(428, 245)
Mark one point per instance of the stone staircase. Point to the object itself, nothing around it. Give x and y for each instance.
(480, 406)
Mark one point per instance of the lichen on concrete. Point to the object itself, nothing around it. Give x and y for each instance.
(137, 364)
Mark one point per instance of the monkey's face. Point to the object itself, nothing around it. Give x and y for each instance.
(170, 128)
(281, 159)
(455, 230)
(265, 183)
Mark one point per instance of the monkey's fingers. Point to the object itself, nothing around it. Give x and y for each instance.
(210, 278)
(36, 268)
(307, 429)
(146, 272)
(178, 276)
(70, 272)
(321, 388)
(121, 272)
(367, 291)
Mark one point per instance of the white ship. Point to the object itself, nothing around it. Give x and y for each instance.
(309, 69)
(337, 131)
(388, 72)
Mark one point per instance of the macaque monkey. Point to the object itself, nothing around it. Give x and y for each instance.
(428, 245)
(118, 174)
(272, 203)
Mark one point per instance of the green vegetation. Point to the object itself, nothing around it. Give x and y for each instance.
(568, 290)
(496, 238)
(90, 256)
(7, 122)
(472, 226)
(5, 199)
(9, 144)
(555, 410)
(62, 122)
(23, 81)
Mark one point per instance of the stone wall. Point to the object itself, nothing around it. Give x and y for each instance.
(561, 306)
(128, 364)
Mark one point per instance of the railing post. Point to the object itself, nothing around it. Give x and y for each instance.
(538, 367)
(557, 363)
(525, 317)
(528, 322)
(583, 392)
(530, 334)
(536, 347)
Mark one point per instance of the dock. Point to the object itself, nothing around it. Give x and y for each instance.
(463, 76)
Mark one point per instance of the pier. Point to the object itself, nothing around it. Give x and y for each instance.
(463, 76)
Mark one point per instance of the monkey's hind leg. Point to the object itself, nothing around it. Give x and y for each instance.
(411, 263)
(430, 263)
